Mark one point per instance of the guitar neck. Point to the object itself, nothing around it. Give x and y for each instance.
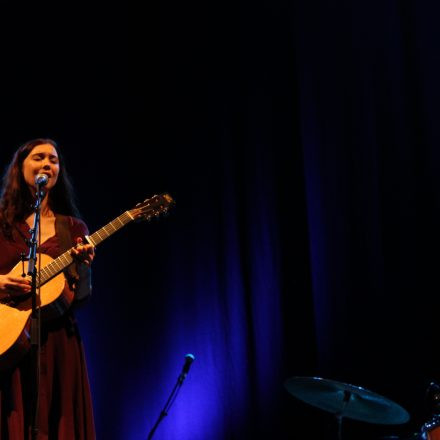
(65, 260)
(110, 228)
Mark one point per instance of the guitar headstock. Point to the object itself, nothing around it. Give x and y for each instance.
(152, 207)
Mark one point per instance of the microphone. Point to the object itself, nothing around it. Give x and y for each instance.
(189, 359)
(41, 180)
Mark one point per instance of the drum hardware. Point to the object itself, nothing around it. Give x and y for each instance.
(431, 429)
(432, 398)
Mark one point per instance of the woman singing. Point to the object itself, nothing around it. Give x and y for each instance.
(64, 404)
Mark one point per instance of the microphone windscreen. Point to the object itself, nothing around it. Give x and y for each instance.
(41, 179)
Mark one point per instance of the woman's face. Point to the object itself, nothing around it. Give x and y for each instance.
(43, 159)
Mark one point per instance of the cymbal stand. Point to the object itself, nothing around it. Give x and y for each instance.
(340, 414)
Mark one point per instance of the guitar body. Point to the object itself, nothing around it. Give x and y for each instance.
(55, 299)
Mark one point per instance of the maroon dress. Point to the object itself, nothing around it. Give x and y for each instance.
(65, 409)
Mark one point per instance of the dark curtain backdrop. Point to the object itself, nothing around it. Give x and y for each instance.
(300, 142)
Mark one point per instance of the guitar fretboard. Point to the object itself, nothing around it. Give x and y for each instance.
(110, 228)
(64, 260)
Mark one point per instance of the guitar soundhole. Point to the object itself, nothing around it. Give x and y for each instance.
(14, 301)
(8, 301)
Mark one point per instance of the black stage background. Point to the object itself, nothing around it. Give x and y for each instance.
(300, 142)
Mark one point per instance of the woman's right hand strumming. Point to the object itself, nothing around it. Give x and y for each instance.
(11, 286)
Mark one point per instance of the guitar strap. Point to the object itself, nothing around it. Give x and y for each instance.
(62, 230)
(66, 242)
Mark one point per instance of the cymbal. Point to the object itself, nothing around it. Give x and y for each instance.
(345, 400)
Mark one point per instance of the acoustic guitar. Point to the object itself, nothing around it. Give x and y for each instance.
(54, 299)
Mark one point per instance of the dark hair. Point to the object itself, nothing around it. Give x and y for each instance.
(16, 199)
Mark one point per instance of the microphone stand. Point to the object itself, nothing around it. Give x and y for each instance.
(35, 315)
(169, 402)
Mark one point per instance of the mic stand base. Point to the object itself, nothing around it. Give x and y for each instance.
(168, 404)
